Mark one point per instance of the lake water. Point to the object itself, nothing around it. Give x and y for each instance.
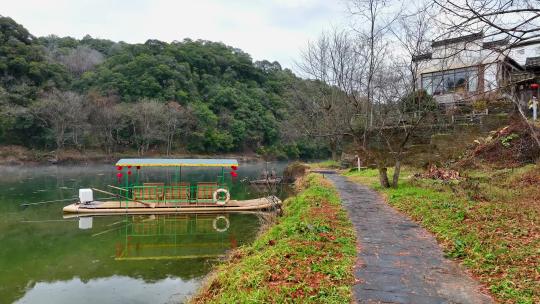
(46, 258)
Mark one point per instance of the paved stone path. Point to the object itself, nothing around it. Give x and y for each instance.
(398, 261)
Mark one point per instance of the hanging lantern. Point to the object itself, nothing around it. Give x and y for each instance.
(129, 172)
(234, 174)
(119, 168)
(234, 168)
(534, 86)
(119, 175)
(129, 167)
(138, 167)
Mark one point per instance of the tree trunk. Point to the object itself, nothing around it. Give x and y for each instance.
(334, 154)
(334, 149)
(383, 177)
(397, 171)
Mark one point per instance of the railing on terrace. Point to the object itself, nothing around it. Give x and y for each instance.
(175, 194)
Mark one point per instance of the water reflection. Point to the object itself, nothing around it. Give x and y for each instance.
(113, 290)
(85, 223)
(45, 258)
(176, 236)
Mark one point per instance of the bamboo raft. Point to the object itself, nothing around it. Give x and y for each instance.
(134, 196)
(116, 207)
(270, 181)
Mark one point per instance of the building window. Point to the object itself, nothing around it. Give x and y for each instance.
(451, 81)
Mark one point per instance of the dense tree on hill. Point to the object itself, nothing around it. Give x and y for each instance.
(199, 96)
(24, 70)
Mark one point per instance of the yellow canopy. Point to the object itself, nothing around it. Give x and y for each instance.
(176, 162)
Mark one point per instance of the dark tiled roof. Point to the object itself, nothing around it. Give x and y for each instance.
(495, 43)
(466, 38)
(527, 42)
(532, 62)
(421, 57)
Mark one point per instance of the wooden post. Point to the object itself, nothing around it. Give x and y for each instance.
(535, 108)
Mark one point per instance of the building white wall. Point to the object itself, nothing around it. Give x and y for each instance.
(520, 54)
(458, 55)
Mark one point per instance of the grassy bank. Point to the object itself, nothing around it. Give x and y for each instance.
(307, 256)
(490, 221)
(326, 164)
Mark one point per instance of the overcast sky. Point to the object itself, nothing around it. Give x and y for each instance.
(266, 29)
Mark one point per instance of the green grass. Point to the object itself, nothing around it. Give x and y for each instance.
(327, 164)
(307, 257)
(489, 221)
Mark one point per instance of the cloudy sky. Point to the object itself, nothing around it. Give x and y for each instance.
(266, 29)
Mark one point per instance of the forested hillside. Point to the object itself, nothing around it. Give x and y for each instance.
(188, 96)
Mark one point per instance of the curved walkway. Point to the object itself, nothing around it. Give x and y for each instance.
(398, 261)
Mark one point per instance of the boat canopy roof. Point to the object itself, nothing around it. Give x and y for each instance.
(176, 162)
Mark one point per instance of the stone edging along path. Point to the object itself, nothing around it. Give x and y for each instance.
(398, 261)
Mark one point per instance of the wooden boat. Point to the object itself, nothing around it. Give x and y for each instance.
(133, 197)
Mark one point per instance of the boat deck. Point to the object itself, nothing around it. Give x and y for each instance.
(114, 207)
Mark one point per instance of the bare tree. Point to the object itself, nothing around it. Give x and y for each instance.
(410, 106)
(177, 122)
(81, 59)
(379, 105)
(319, 111)
(64, 114)
(106, 119)
(372, 23)
(403, 114)
(328, 105)
(146, 121)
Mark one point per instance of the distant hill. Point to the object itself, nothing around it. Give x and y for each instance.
(222, 101)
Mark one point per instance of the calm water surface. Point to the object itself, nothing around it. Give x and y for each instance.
(46, 258)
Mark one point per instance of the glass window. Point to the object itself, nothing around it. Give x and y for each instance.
(460, 79)
(427, 84)
(473, 80)
(449, 82)
(437, 85)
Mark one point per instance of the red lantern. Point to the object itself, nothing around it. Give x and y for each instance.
(234, 168)
(534, 86)
(129, 172)
(234, 174)
(119, 175)
(129, 167)
(138, 167)
(119, 168)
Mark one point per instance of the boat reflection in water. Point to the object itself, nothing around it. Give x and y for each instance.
(148, 258)
(176, 236)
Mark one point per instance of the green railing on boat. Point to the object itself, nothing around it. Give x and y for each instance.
(179, 193)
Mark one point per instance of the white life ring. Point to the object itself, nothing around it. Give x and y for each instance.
(214, 223)
(221, 202)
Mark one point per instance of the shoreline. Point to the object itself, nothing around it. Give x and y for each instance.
(21, 156)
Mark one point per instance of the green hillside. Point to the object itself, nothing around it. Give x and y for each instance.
(187, 96)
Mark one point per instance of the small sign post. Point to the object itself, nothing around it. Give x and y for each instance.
(535, 107)
(534, 101)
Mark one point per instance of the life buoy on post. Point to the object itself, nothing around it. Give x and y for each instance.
(215, 222)
(221, 202)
